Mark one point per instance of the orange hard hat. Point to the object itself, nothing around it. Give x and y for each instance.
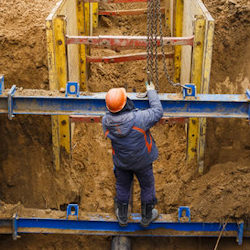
(116, 99)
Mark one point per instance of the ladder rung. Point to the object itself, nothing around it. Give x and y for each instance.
(125, 12)
(123, 58)
(126, 41)
(114, 1)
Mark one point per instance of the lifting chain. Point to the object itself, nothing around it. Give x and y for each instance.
(153, 19)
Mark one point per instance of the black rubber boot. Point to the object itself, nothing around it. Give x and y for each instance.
(148, 214)
(121, 212)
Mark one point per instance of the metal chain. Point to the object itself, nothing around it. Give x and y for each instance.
(152, 40)
(153, 18)
(148, 40)
(155, 43)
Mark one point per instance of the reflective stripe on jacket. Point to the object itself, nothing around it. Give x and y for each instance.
(133, 145)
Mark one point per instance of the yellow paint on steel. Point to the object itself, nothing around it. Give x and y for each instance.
(56, 141)
(82, 48)
(87, 32)
(87, 18)
(61, 70)
(178, 33)
(167, 14)
(53, 85)
(196, 78)
(169, 11)
(95, 15)
(208, 48)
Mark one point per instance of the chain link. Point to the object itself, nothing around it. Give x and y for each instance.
(151, 40)
(155, 43)
(154, 14)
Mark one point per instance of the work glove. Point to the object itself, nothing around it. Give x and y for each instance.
(150, 86)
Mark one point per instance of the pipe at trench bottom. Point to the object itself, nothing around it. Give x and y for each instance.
(121, 243)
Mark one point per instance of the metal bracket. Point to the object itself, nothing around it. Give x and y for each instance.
(10, 101)
(76, 90)
(69, 210)
(240, 233)
(15, 235)
(190, 90)
(1, 84)
(248, 97)
(180, 213)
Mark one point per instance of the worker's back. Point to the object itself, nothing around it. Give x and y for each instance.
(133, 145)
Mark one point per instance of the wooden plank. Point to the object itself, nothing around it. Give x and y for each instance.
(172, 17)
(53, 85)
(196, 78)
(191, 9)
(55, 10)
(69, 10)
(178, 33)
(61, 69)
(207, 61)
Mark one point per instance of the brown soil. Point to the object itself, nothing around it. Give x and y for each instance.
(26, 172)
(51, 242)
(23, 42)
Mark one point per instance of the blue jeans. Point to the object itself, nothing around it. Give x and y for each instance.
(124, 180)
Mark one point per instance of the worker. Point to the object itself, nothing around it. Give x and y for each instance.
(133, 149)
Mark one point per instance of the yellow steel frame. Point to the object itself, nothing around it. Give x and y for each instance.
(62, 77)
(53, 85)
(178, 33)
(95, 14)
(167, 14)
(57, 61)
(196, 78)
(82, 48)
(208, 48)
(87, 19)
(61, 69)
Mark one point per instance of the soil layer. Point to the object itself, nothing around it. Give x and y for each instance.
(26, 172)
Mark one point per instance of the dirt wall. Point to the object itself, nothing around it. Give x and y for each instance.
(26, 172)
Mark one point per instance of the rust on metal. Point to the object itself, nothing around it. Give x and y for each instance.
(86, 118)
(126, 41)
(125, 12)
(115, 1)
(97, 119)
(123, 58)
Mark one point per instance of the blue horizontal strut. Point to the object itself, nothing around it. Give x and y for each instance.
(102, 227)
(112, 226)
(202, 105)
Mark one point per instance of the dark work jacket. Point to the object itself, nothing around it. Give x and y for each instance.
(132, 144)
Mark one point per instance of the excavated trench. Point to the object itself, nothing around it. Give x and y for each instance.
(26, 172)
